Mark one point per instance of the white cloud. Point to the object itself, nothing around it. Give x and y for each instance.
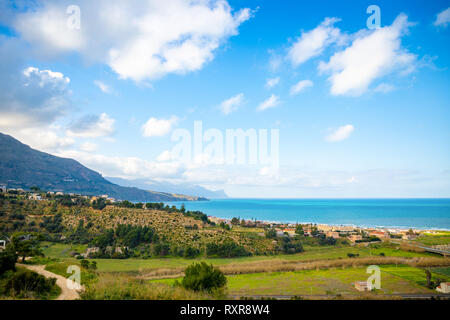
(102, 86)
(92, 126)
(138, 39)
(158, 127)
(47, 138)
(340, 134)
(353, 179)
(312, 43)
(443, 18)
(45, 77)
(271, 172)
(166, 155)
(384, 88)
(88, 147)
(372, 55)
(29, 97)
(272, 82)
(232, 104)
(124, 167)
(300, 86)
(275, 60)
(271, 102)
(32, 100)
(46, 26)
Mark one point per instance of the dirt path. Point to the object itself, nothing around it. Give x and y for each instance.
(66, 292)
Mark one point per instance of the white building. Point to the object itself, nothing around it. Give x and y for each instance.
(35, 196)
(444, 287)
(2, 245)
(362, 286)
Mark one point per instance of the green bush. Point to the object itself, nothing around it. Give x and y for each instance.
(270, 233)
(203, 277)
(227, 249)
(24, 283)
(191, 252)
(89, 266)
(286, 245)
(7, 261)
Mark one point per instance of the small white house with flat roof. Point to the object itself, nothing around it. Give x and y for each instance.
(2, 245)
(444, 287)
(363, 286)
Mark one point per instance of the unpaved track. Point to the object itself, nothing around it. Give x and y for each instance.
(66, 292)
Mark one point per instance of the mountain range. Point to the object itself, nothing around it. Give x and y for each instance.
(168, 187)
(24, 167)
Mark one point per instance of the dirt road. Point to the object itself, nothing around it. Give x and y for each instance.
(64, 283)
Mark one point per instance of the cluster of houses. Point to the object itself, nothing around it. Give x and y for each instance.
(109, 249)
(44, 195)
(104, 196)
(353, 234)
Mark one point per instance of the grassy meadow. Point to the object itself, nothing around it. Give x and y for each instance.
(62, 251)
(318, 271)
(432, 239)
(321, 269)
(400, 279)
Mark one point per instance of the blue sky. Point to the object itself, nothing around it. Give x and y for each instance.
(370, 117)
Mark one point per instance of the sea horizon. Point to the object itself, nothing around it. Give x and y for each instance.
(399, 213)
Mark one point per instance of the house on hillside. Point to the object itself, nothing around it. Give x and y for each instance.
(362, 286)
(444, 287)
(280, 233)
(90, 251)
(379, 234)
(332, 234)
(355, 237)
(35, 196)
(2, 245)
(409, 236)
(289, 231)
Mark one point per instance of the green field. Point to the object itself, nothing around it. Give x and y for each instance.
(431, 239)
(320, 283)
(442, 271)
(394, 280)
(62, 251)
(311, 253)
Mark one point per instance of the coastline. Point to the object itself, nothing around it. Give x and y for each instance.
(336, 226)
(394, 214)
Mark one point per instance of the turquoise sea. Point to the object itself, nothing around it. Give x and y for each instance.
(404, 213)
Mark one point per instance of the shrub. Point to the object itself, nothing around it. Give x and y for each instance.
(53, 224)
(203, 277)
(23, 282)
(327, 241)
(84, 264)
(191, 252)
(270, 233)
(288, 246)
(125, 287)
(7, 261)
